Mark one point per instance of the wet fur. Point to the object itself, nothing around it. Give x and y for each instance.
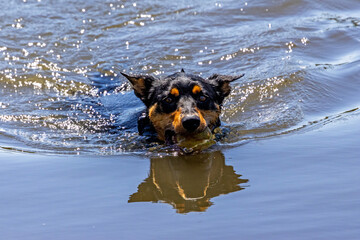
(173, 100)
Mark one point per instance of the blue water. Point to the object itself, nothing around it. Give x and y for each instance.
(72, 165)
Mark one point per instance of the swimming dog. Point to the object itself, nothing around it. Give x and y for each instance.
(180, 104)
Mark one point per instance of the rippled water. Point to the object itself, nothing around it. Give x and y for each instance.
(287, 161)
(60, 61)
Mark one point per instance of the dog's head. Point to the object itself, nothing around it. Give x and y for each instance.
(182, 104)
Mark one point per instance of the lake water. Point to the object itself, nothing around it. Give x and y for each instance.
(72, 165)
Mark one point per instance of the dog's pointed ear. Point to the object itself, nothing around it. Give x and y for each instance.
(222, 83)
(141, 84)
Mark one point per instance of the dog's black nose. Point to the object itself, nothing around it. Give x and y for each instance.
(191, 123)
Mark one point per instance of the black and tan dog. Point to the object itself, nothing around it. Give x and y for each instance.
(180, 104)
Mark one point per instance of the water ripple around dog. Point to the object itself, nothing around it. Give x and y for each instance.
(60, 91)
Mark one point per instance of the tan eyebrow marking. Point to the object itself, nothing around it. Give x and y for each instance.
(196, 89)
(175, 92)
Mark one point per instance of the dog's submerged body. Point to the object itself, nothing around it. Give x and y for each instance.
(180, 104)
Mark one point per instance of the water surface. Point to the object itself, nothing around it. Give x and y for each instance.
(286, 164)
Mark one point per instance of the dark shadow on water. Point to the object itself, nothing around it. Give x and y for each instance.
(188, 182)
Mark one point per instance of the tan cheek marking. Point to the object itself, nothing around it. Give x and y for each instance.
(203, 123)
(175, 92)
(152, 110)
(196, 89)
(210, 116)
(177, 119)
(160, 121)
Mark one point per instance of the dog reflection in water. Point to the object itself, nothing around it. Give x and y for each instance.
(188, 182)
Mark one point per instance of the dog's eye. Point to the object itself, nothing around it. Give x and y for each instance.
(168, 100)
(202, 98)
